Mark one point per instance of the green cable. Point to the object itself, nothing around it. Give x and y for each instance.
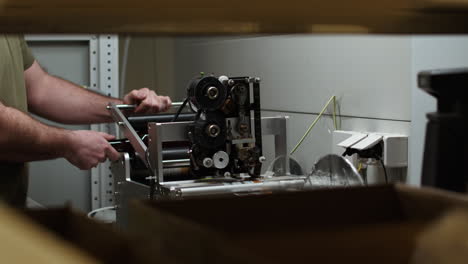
(334, 113)
(315, 122)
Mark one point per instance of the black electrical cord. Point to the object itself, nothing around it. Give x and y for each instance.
(385, 170)
(180, 109)
(192, 107)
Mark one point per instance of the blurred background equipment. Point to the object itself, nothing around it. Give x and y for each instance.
(445, 155)
(379, 157)
(334, 170)
(278, 167)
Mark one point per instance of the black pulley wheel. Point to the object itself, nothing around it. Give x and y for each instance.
(207, 93)
(210, 132)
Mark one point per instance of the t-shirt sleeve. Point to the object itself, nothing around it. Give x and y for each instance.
(28, 58)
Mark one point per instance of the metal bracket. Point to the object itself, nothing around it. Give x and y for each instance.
(159, 133)
(277, 126)
(177, 131)
(129, 132)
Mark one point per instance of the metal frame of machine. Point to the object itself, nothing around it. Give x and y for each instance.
(127, 189)
(159, 133)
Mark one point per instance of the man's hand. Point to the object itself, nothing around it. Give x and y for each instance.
(147, 101)
(86, 149)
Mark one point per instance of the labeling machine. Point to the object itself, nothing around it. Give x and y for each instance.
(212, 146)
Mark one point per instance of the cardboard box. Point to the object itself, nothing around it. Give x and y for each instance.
(23, 241)
(379, 224)
(445, 241)
(92, 238)
(62, 235)
(236, 17)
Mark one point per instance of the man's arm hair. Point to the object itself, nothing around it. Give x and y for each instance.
(62, 101)
(23, 138)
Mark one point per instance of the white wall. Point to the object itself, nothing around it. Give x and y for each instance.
(429, 52)
(371, 76)
(374, 78)
(150, 64)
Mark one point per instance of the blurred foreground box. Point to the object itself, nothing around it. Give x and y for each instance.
(380, 224)
(92, 238)
(63, 236)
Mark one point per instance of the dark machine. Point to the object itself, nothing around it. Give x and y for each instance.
(445, 153)
(212, 145)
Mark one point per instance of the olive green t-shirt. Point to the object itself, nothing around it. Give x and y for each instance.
(15, 58)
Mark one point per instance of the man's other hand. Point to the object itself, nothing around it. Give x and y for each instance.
(147, 101)
(86, 149)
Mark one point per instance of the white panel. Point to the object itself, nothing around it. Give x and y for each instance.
(370, 75)
(56, 182)
(395, 151)
(429, 52)
(320, 141)
(367, 143)
(352, 140)
(140, 68)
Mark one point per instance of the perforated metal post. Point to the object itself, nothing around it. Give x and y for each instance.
(93, 83)
(106, 71)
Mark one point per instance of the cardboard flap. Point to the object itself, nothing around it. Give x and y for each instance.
(241, 17)
(318, 209)
(326, 225)
(94, 238)
(24, 241)
(428, 203)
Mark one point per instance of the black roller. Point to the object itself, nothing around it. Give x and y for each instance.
(175, 153)
(201, 134)
(207, 93)
(168, 153)
(141, 122)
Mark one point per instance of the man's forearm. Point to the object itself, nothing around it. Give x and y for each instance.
(73, 104)
(63, 101)
(22, 138)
